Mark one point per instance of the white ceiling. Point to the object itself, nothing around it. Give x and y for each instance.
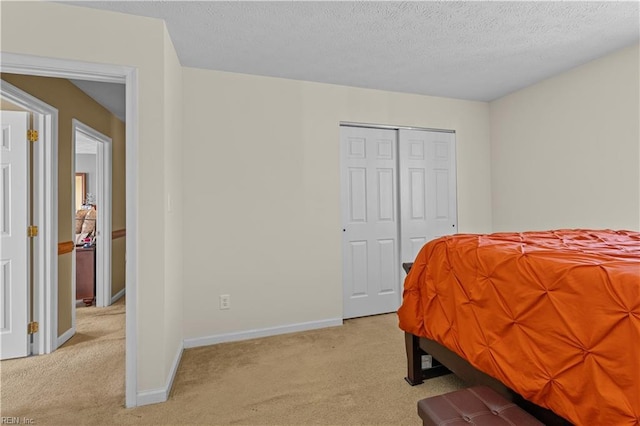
(85, 145)
(467, 50)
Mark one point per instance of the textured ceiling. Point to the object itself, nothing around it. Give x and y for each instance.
(468, 50)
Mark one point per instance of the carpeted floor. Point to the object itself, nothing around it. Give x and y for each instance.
(345, 375)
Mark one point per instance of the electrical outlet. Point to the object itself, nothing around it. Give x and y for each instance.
(225, 301)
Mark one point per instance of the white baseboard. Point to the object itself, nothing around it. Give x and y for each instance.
(156, 396)
(261, 332)
(66, 336)
(117, 296)
(149, 397)
(174, 368)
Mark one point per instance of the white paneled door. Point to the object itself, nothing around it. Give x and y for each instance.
(13, 232)
(370, 221)
(427, 189)
(398, 192)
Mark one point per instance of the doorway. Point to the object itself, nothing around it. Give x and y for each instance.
(398, 189)
(46, 297)
(93, 212)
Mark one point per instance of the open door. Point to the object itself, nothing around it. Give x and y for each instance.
(13, 233)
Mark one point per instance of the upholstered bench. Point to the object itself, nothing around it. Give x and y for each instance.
(478, 405)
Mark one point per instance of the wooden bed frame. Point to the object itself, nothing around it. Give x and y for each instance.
(444, 361)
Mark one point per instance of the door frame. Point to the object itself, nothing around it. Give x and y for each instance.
(104, 212)
(71, 69)
(392, 127)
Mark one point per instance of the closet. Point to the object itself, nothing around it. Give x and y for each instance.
(398, 191)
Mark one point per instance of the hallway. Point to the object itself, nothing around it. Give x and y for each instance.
(88, 370)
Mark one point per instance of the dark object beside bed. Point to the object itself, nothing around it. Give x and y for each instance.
(445, 362)
(478, 405)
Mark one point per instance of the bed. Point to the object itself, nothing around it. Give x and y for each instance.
(551, 317)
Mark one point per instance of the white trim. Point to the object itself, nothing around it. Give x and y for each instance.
(118, 295)
(51, 67)
(260, 332)
(149, 397)
(174, 368)
(105, 209)
(392, 127)
(48, 214)
(66, 336)
(45, 179)
(131, 257)
(74, 275)
(156, 396)
(61, 68)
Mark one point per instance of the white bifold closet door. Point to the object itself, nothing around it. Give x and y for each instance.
(427, 189)
(398, 192)
(370, 221)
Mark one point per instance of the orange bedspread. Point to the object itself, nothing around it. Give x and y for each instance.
(553, 315)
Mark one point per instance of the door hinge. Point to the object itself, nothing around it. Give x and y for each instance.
(32, 231)
(32, 135)
(33, 327)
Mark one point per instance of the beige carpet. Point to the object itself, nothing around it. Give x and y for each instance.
(340, 376)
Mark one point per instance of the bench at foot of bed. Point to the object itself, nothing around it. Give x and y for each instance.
(416, 347)
(478, 405)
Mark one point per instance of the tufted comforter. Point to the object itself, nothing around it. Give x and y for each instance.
(553, 315)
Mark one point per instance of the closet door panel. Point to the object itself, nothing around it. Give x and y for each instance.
(427, 188)
(371, 271)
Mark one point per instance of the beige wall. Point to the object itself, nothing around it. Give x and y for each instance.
(118, 204)
(262, 191)
(72, 103)
(174, 293)
(565, 152)
(83, 34)
(5, 105)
